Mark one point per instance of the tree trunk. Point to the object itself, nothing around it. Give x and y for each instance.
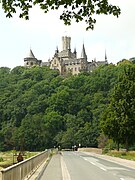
(127, 144)
(118, 146)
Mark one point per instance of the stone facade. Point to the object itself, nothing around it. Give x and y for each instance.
(66, 61)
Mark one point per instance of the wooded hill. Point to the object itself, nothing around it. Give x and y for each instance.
(40, 109)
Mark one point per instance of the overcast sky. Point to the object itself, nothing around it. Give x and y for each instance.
(43, 33)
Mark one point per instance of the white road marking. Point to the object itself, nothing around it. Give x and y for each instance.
(96, 162)
(89, 161)
(117, 168)
(85, 159)
(103, 168)
(65, 173)
(93, 163)
(122, 179)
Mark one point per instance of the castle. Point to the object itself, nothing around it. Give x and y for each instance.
(66, 61)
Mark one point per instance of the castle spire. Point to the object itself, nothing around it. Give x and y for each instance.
(57, 50)
(30, 54)
(74, 50)
(83, 54)
(105, 55)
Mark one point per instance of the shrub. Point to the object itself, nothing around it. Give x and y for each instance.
(1, 159)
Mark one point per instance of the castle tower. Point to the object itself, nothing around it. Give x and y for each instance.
(30, 60)
(83, 54)
(66, 43)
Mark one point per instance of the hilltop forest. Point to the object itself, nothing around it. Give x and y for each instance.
(40, 109)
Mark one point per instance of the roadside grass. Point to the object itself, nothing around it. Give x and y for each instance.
(122, 154)
(9, 158)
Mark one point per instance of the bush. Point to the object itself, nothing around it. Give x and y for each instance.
(132, 148)
(105, 150)
(123, 154)
(1, 159)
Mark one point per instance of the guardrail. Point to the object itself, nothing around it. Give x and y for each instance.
(24, 169)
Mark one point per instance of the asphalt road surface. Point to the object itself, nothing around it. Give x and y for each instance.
(86, 167)
(81, 166)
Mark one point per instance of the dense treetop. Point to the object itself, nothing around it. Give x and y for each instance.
(79, 10)
(40, 109)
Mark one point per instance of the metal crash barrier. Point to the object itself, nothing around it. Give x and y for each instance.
(24, 169)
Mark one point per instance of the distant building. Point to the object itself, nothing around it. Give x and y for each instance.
(30, 60)
(66, 61)
(132, 59)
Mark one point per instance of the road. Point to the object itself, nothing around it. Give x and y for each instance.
(81, 166)
(86, 167)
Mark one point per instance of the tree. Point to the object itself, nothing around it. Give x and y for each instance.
(119, 117)
(40, 109)
(67, 138)
(32, 134)
(80, 10)
(87, 135)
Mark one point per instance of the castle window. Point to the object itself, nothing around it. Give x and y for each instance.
(31, 63)
(55, 61)
(75, 68)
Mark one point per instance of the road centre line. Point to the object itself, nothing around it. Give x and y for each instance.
(93, 163)
(85, 159)
(103, 168)
(98, 164)
(89, 161)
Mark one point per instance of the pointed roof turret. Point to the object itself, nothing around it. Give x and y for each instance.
(105, 56)
(75, 51)
(30, 57)
(83, 54)
(30, 54)
(57, 50)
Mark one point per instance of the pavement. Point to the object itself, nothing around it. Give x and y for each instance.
(37, 173)
(53, 170)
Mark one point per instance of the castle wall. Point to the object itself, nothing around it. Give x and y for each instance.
(55, 64)
(73, 69)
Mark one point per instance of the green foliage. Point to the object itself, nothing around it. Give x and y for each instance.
(1, 159)
(40, 109)
(119, 116)
(80, 10)
(122, 154)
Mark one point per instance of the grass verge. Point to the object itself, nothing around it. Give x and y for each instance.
(122, 154)
(9, 158)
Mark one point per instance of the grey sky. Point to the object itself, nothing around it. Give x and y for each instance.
(43, 33)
